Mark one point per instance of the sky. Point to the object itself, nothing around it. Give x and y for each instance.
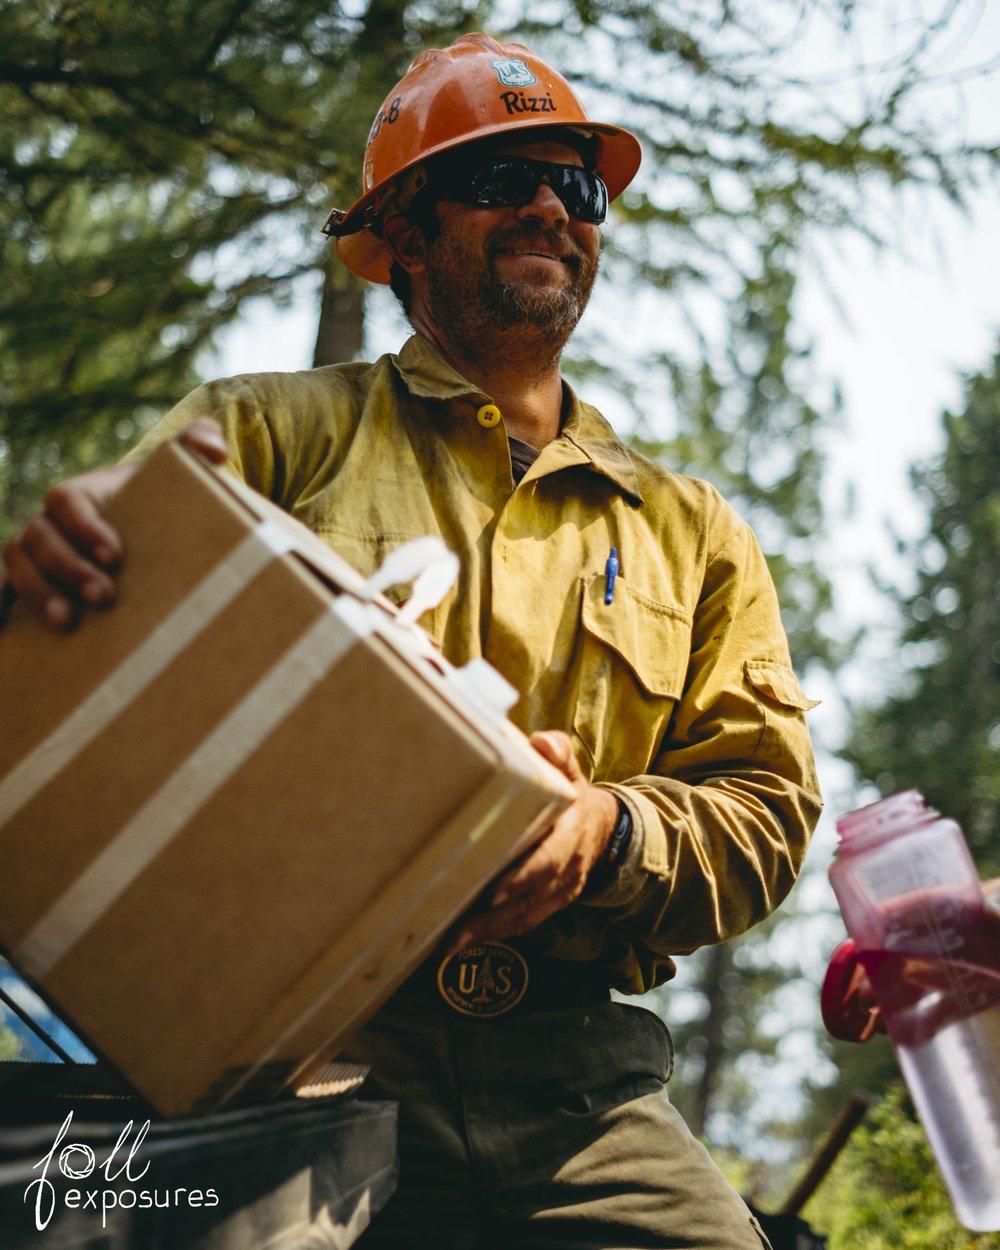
(918, 318)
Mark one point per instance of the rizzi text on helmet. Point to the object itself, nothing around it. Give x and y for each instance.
(518, 102)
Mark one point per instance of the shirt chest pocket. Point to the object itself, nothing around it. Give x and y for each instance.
(632, 660)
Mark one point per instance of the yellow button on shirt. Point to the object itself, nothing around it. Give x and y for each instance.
(488, 416)
(679, 694)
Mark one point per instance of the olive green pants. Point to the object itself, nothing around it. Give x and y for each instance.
(541, 1131)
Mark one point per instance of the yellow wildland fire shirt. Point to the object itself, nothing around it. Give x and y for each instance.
(679, 694)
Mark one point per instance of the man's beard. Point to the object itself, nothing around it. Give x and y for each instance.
(466, 294)
(521, 305)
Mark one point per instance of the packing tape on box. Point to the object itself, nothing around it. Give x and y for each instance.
(164, 815)
(142, 665)
(211, 763)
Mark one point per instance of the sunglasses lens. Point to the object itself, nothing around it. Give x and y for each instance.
(504, 184)
(584, 194)
(511, 181)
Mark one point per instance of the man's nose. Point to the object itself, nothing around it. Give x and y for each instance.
(546, 207)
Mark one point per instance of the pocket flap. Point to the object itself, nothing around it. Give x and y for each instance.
(654, 640)
(778, 682)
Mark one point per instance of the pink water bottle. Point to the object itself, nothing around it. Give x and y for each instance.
(911, 899)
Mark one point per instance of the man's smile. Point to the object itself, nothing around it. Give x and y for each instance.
(548, 257)
(533, 251)
(549, 253)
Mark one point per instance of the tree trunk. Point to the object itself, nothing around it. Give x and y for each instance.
(341, 328)
(716, 964)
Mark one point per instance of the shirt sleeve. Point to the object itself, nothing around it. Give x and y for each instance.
(287, 433)
(723, 819)
(237, 405)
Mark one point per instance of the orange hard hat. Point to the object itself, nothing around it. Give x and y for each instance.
(474, 89)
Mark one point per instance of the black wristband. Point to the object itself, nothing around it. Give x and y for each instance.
(614, 852)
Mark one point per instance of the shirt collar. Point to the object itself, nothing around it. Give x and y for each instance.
(428, 375)
(592, 435)
(586, 436)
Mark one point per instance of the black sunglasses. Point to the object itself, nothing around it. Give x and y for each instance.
(511, 181)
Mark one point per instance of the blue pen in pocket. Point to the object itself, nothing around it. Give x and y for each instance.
(610, 573)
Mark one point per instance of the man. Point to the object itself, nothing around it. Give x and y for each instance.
(630, 607)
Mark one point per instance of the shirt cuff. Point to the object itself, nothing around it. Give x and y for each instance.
(626, 878)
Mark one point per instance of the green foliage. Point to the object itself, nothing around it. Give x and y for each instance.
(161, 164)
(10, 1045)
(748, 427)
(868, 1069)
(734, 984)
(885, 1192)
(940, 729)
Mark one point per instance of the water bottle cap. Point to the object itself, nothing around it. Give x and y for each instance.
(886, 816)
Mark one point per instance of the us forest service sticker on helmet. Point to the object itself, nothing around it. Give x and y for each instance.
(483, 981)
(513, 72)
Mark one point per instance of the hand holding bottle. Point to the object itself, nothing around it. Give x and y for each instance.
(925, 950)
(850, 1010)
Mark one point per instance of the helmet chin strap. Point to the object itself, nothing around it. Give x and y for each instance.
(405, 192)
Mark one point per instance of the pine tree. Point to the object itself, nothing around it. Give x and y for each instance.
(161, 164)
(939, 728)
(748, 161)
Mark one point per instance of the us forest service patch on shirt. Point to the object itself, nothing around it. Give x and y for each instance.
(485, 980)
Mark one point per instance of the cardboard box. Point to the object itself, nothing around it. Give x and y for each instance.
(238, 808)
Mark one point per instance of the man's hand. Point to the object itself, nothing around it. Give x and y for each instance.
(65, 557)
(554, 872)
(850, 1010)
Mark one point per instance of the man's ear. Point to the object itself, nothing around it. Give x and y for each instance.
(405, 242)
